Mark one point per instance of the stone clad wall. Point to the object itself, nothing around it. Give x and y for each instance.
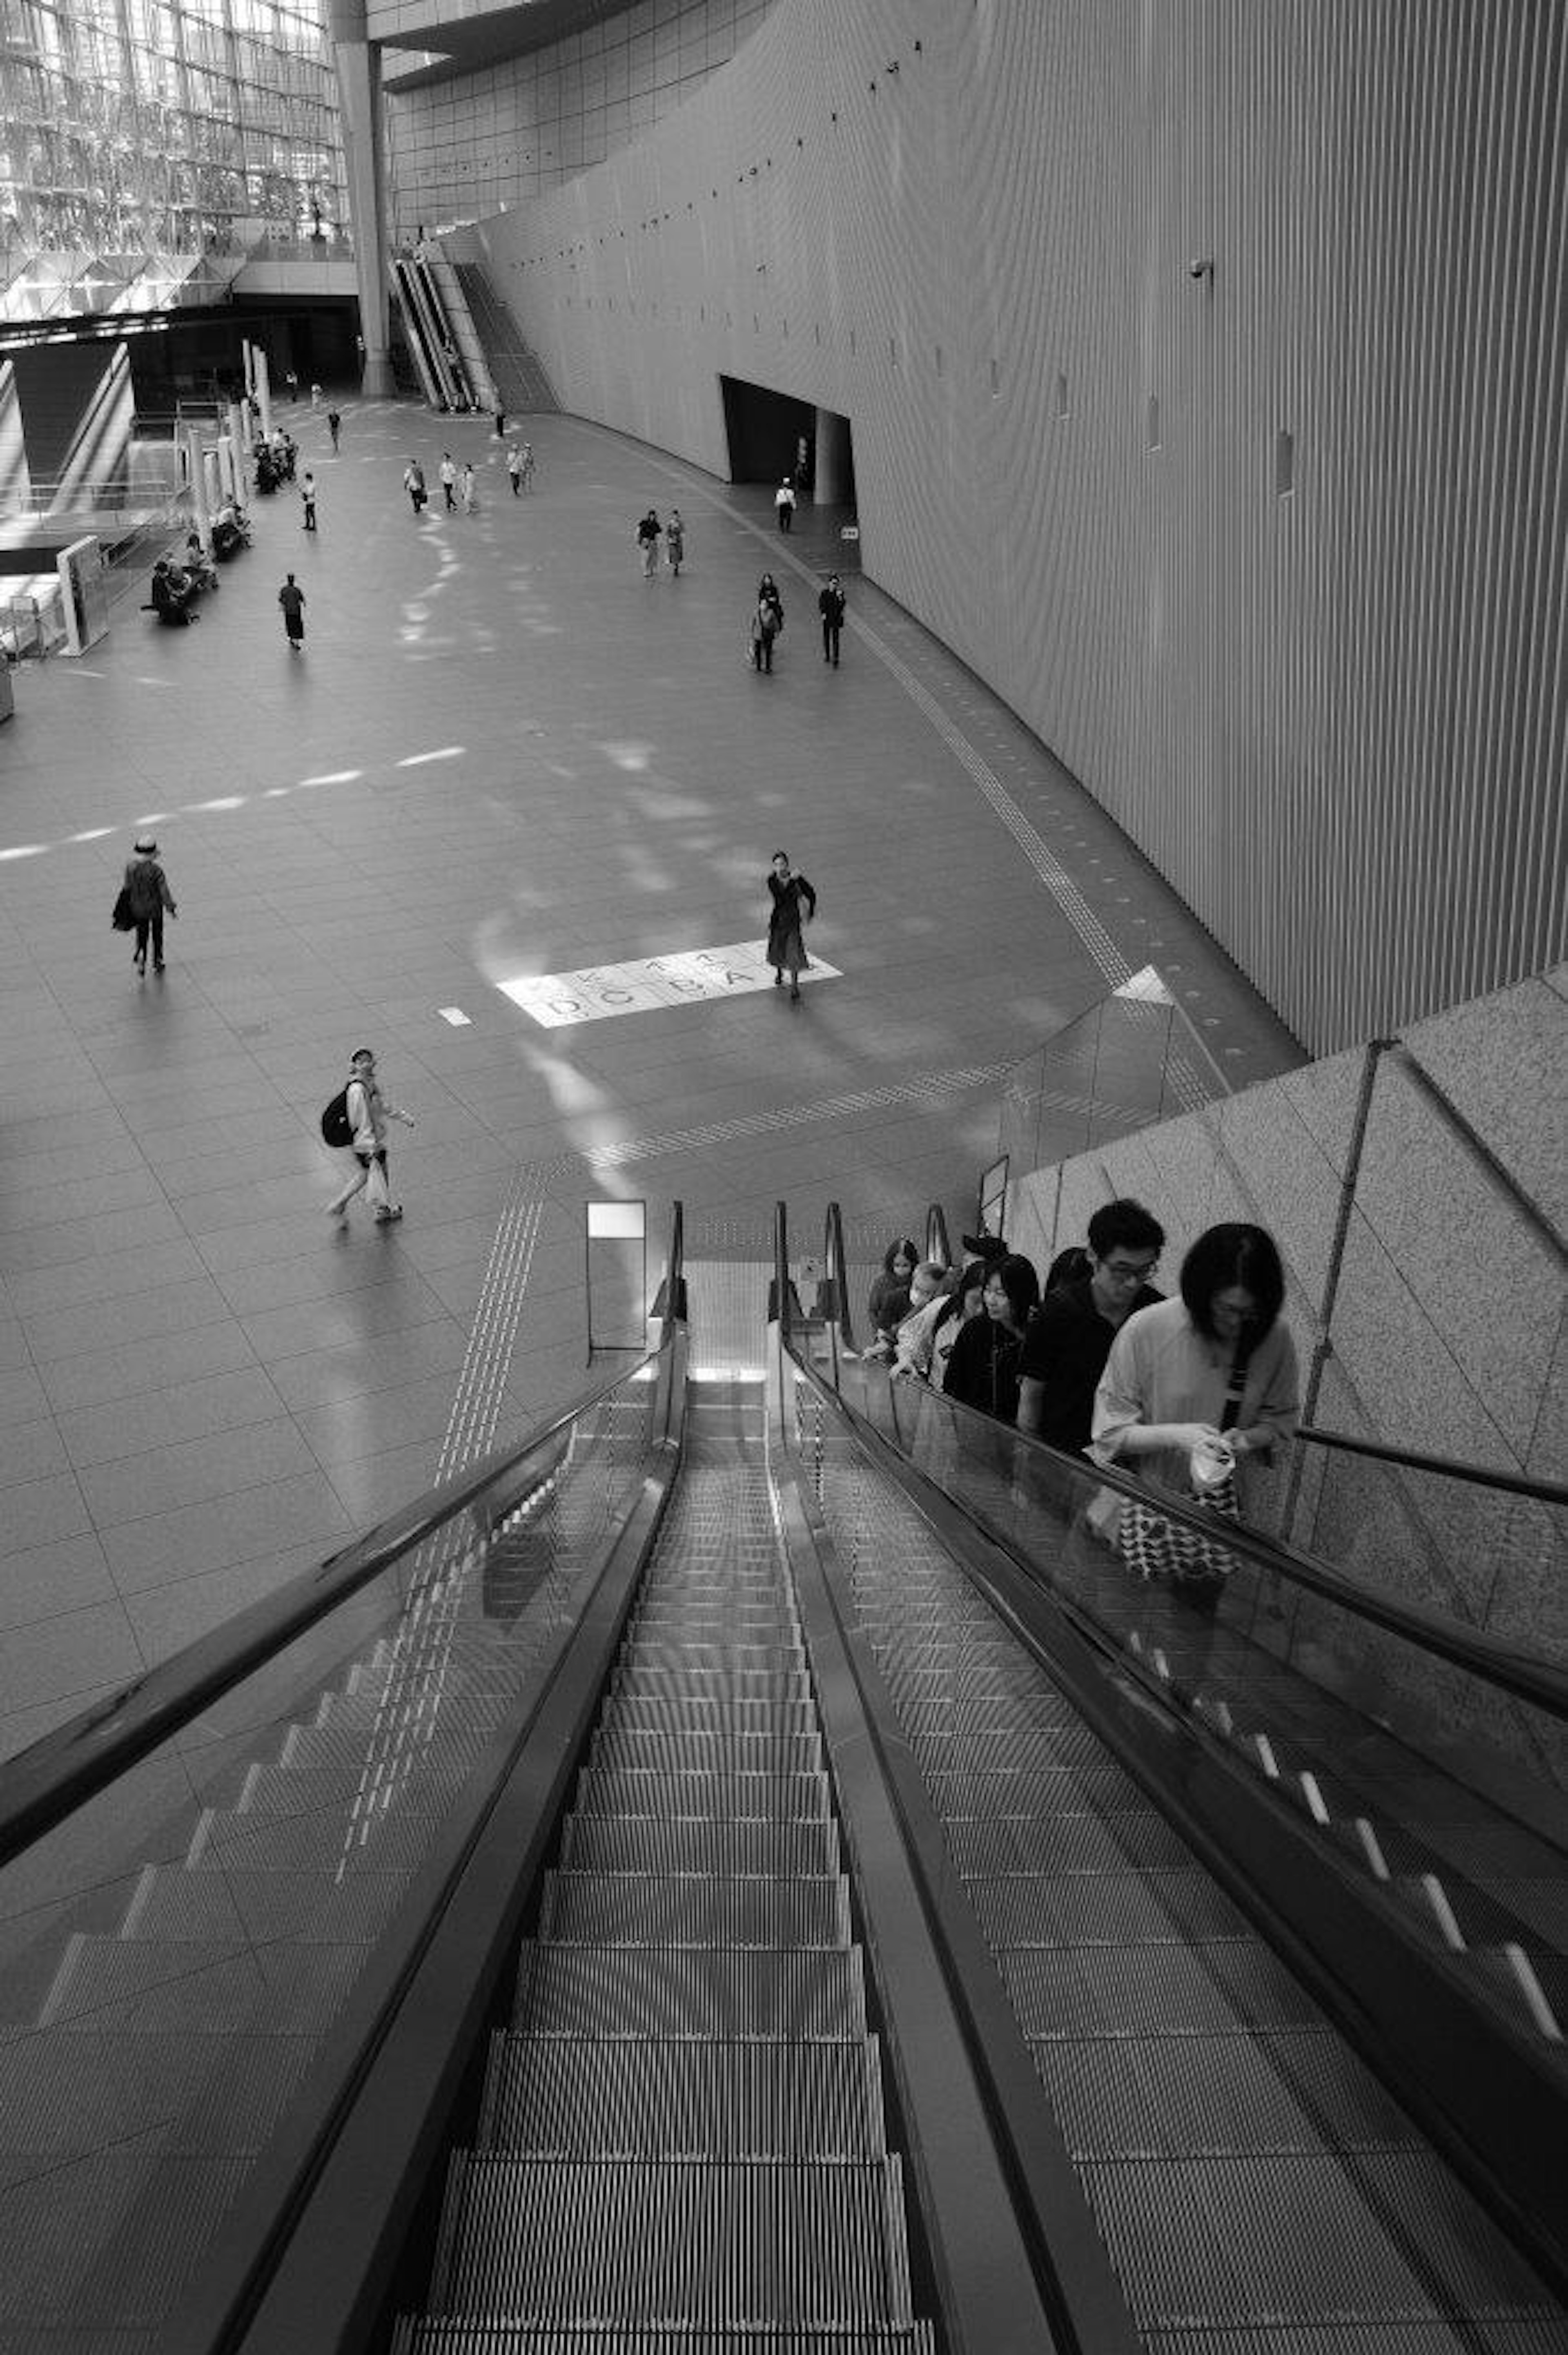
(1270, 557)
(1419, 1196)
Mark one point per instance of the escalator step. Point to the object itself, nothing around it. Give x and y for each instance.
(1049, 1791)
(179, 1902)
(103, 2243)
(224, 1842)
(634, 1680)
(108, 1982)
(746, 1754)
(1198, 2243)
(1151, 1990)
(1021, 1750)
(1126, 1909)
(423, 2335)
(632, 1791)
(794, 1993)
(551, 2097)
(690, 1910)
(700, 1713)
(975, 1714)
(699, 2244)
(419, 1783)
(719, 1846)
(649, 1653)
(75, 2089)
(1157, 2096)
(1065, 1843)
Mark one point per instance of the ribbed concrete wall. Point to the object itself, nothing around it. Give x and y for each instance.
(1320, 679)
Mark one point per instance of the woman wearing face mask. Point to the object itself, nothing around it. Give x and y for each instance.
(982, 1370)
(1198, 1389)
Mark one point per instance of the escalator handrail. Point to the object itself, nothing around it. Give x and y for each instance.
(1479, 1475)
(58, 1774)
(1480, 1654)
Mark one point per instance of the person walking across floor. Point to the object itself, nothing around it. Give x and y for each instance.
(784, 500)
(648, 535)
(675, 542)
(515, 468)
(335, 427)
(308, 496)
(501, 425)
(794, 905)
(528, 466)
(414, 484)
(831, 605)
(366, 1113)
(147, 895)
(448, 471)
(291, 598)
(466, 488)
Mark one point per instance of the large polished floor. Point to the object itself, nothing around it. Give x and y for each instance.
(503, 753)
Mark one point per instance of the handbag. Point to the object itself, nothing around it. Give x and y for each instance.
(1171, 1552)
(122, 916)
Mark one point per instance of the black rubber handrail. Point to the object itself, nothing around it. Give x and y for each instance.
(1479, 1475)
(49, 1780)
(1479, 1654)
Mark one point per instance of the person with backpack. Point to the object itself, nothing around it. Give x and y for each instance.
(356, 1122)
(414, 484)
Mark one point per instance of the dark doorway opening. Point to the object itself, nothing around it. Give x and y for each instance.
(772, 435)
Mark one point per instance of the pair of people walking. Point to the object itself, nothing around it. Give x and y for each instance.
(356, 1123)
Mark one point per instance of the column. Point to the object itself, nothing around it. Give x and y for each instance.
(263, 393)
(358, 63)
(201, 511)
(834, 471)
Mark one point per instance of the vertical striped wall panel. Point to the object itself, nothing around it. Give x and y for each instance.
(1332, 714)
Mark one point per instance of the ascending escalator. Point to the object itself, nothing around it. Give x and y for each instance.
(710, 1908)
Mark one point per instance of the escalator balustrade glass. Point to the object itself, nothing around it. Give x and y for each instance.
(177, 1952)
(1444, 1784)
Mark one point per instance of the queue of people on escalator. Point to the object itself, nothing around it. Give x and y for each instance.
(1189, 1395)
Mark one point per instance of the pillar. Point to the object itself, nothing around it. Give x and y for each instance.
(263, 393)
(834, 471)
(201, 511)
(239, 447)
(358, 63)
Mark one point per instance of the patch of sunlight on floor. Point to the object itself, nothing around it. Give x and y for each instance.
(421, 760)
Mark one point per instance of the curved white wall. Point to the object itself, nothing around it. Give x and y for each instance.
(1334, 715)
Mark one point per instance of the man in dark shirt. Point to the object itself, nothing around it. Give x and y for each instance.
(1070, 1335)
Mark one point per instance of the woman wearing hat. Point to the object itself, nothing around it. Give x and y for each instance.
(147, 895)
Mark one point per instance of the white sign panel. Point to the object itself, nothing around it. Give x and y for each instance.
(559, 999)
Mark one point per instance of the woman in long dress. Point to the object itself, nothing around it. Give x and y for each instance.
(786, 950)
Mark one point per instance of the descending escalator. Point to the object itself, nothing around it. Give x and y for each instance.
(698, 1910)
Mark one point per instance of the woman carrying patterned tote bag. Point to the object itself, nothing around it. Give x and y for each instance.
(1195, 1390)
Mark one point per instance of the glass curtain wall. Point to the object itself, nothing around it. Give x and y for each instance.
(141, 127)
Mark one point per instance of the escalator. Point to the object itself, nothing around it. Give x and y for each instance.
(670, 1894)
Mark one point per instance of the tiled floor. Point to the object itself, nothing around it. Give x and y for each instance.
(502, 751)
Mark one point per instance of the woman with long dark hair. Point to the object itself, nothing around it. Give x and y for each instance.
(982, 1370)
(794, 904)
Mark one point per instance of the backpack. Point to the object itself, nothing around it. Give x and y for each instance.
(336, 1127)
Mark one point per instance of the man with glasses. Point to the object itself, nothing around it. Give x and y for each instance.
(1070, 1338)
